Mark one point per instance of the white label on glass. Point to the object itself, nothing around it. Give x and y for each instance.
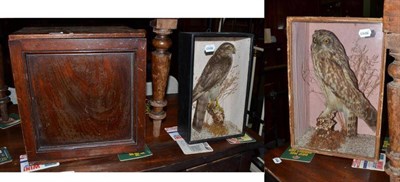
(209, 48)
(364, 33)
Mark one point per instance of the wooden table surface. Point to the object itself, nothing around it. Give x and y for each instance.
(321, 168)
(167, 156)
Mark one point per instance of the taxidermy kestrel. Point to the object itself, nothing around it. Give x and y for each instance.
(339, 84)
(209, 83)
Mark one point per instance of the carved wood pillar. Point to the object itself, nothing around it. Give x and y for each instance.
(393, 96)
(4, 99)
(160, 59)
(391, 25)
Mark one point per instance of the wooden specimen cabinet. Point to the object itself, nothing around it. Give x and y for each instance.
(167, 156)
(80, 90)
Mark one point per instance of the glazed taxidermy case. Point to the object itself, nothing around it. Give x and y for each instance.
(336, 70)
(216, 70)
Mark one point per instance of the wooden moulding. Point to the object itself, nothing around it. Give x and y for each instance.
(307, 101)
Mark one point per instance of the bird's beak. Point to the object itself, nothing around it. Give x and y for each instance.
(234, 51)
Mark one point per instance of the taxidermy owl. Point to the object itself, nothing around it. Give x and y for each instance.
(339, 83)
(209, 83)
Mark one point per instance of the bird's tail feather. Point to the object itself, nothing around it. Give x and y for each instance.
(370, 116)
(199, 114)
(366, 112)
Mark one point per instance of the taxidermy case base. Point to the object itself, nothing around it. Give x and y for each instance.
(316, 139)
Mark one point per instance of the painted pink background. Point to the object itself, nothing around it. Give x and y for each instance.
(347, 33)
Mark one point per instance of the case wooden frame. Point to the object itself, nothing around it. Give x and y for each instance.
(304, 106)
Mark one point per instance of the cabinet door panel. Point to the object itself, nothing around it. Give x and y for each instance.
(81, 98)
(81, 94)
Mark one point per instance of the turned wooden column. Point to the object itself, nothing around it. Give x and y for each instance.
(391, 25)
(160, 61)
(393, 100)
(4, 99)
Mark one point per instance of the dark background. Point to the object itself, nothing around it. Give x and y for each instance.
(247, 25)
(255, 26)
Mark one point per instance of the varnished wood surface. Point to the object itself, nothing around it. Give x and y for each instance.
(167, 156)
(78, 88)
(81, 95)
(391, 16)
(321, 168)
(77, 32)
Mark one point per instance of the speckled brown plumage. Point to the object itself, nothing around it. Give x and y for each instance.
(209, 83)
(339, 83)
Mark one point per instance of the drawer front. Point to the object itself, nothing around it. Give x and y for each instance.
(228, 164)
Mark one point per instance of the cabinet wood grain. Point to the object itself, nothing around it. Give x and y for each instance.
(81, 90)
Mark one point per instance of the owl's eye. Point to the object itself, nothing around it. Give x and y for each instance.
(314, 40)
(326, 41)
